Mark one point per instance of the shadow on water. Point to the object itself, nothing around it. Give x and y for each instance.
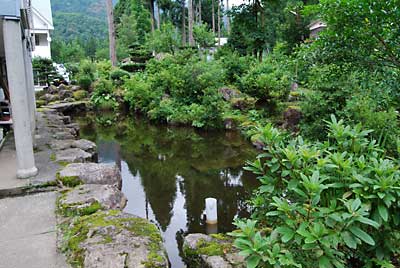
(168, 172)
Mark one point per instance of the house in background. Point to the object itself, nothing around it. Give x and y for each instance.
(316, 27)
(42, 28)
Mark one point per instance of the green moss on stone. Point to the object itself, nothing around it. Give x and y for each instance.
(69, 181)
(40, 103)
(219, 245)
(76, 233)
(79, 94)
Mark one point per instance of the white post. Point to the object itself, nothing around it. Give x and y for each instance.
(211, 211)
(30, 87)
(19, 98)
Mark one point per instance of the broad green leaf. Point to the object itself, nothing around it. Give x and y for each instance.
(362, 235)
(369, 222)
(253, 261)
(349, 240)
(286, 233)
(383, 212)
(324, 262)
(355, 205)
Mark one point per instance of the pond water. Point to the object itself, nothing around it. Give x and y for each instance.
(168, 172)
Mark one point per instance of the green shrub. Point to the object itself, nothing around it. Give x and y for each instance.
(103, 97)
(267, 81)
(139, 94)
(118, 76)
(357, 95)
(103, 68)
(85, 82)
(331, 204)
(235, 65)
(87, 68)
(80, 94)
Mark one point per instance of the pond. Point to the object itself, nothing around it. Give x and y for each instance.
(168, 172)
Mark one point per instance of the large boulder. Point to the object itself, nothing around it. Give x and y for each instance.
(93, 173)
(88, 198)
(85, 145)
(114, 239)
(61, 144)
(65, 94)
(229, 93)
(291, 118)
(63, 135)
(75, 88)
(52, 89)
(69, 107)
(211, 251)
(49, 98)
(73, 155)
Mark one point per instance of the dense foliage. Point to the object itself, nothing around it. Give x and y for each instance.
(330, 204)
(330, 199)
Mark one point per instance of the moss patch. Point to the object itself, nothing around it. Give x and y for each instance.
(76, 233)
(76, 209)
(71, 181)
(40, 103)
(79, 94)
(219, 245)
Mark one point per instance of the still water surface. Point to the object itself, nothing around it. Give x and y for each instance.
(167, 173)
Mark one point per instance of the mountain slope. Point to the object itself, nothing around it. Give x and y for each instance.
(79, 19)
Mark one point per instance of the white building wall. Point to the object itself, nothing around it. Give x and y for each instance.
(42, 25)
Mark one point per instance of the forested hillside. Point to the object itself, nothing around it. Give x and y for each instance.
(79, 19)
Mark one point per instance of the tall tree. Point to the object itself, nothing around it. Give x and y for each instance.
(190, 13)
(213, 16)
(200, 20)
(111, 32)
(151, 6)
(219, 22)
(228, 20)
(183, 24)
(158, 16)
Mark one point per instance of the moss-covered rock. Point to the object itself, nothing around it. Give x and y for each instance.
(243, 103)
(215, 251)
(89, 198)
(68, 181)
(80, 94)
(113, 239)
(40, 103)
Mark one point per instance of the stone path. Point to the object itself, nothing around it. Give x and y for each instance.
(27, 232)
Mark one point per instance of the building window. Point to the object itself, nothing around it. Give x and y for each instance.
(41, 39)
(37, 40)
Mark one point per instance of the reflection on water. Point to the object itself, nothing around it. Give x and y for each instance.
(168, 172)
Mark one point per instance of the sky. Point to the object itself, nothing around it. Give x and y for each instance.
(236, 2)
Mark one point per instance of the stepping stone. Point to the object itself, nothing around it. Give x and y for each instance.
(73, 155)
(93, 173)
(121, 240)
(88, 198)
(63, 136)
(85, 145)
(82, 144)
(61, 144)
